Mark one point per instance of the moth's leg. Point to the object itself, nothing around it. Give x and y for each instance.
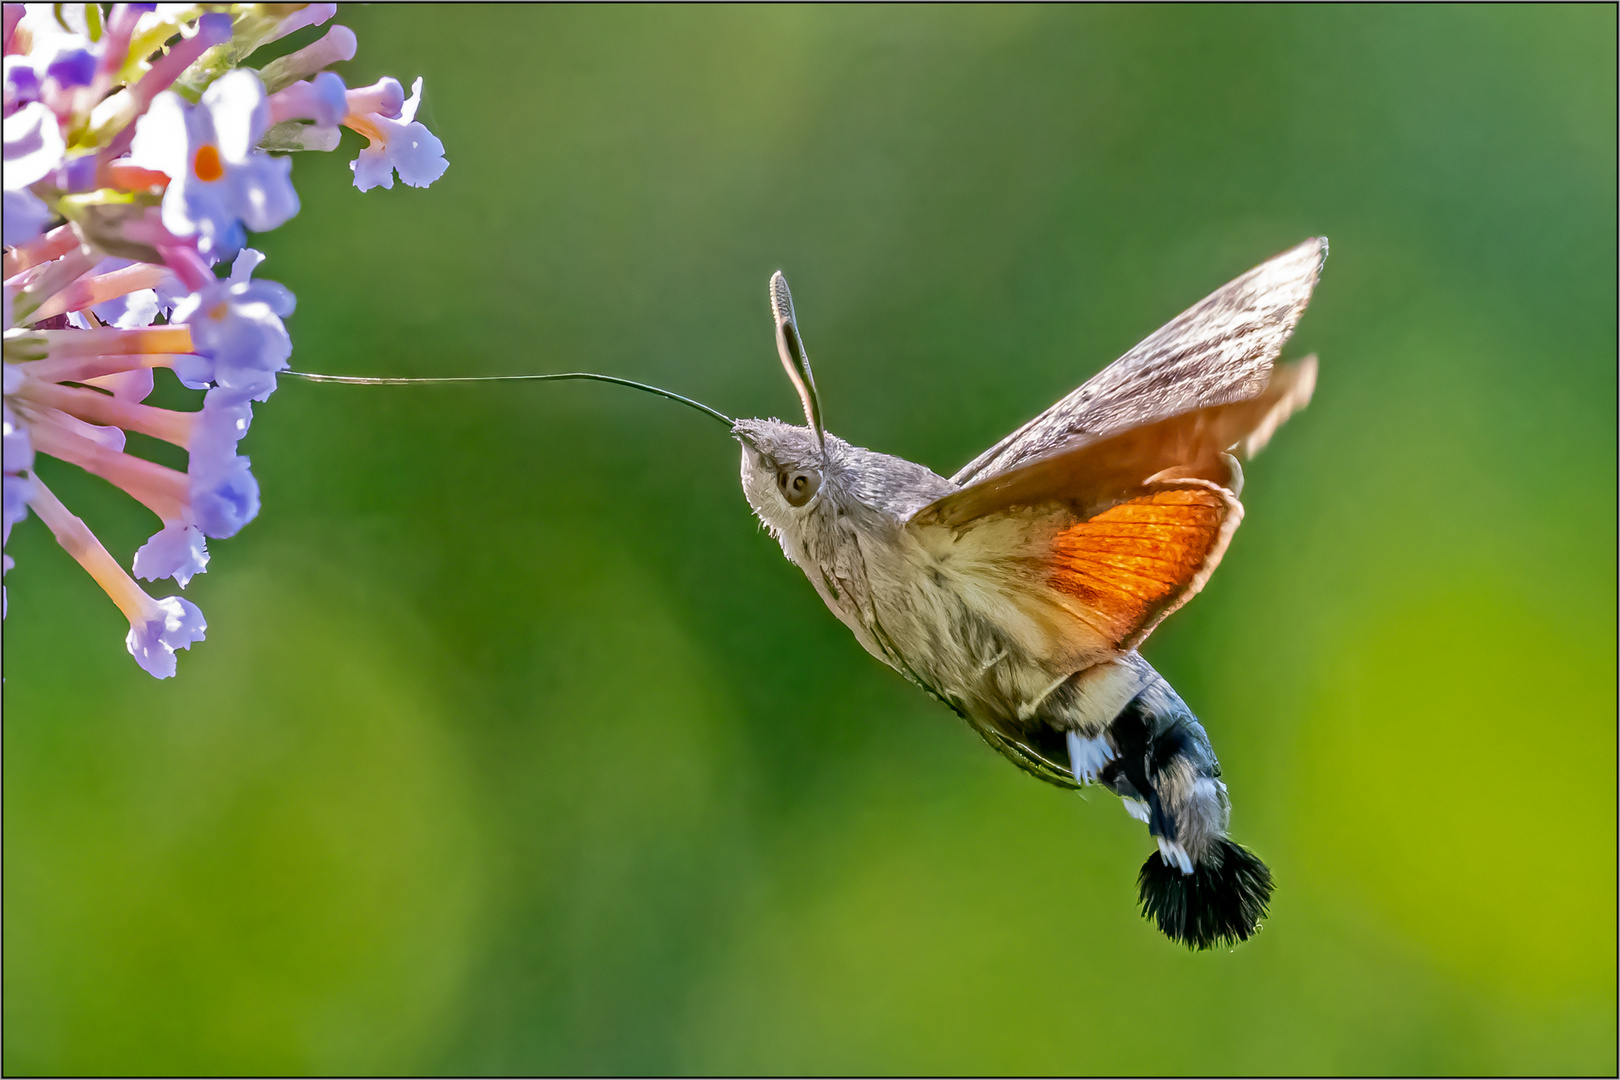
(1088, 756)
(1085, 704)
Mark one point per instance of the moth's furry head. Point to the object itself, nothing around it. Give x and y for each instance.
(865, 487)
(773, 451)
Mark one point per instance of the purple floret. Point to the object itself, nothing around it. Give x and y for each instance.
(224, 497)
(178, 550)
(174, 624)
(406, 146)
(72, 67)
(236, 327)
(220, 181)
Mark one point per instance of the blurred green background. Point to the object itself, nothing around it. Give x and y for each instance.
(517, 746)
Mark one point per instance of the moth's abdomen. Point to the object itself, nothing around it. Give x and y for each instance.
(1200, 888)
(1220, 903)
(1162, 759)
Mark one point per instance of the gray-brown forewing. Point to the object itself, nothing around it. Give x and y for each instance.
(1220, 350)
(1088, 473)
(1112, 509)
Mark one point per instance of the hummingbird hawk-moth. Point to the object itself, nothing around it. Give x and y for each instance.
(1018, 590)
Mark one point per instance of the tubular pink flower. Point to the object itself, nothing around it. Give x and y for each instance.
(97, 408)
(308, 15)
(148, 228)
(187, 265)
(321, 100)
(89, 291)
(108, 438)
(86, 369)
(336, 46)
(60, 344)
(385, 97)
(157, 628)
(162, 490)
(13, 16)
(397, 140)
(58, 242)
(79, 542)
(139, 307)
(46, 281)
(115, 44)
(125, 175)
(132, 385)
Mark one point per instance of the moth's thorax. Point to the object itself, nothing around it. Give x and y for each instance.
(978, 623)
(858, 512)
(949, 609)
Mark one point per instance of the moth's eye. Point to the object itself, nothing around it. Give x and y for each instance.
(798, 485)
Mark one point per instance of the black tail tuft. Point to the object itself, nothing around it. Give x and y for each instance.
(1220, 903)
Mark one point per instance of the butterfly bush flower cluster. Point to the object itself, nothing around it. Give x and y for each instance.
(142, 147)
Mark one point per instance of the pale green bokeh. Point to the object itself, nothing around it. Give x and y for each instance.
(515, 745)
(279, 871)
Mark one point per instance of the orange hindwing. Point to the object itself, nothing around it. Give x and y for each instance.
(1139, 560)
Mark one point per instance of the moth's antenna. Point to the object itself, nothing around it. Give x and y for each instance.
(791, 347)
(590, 376)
